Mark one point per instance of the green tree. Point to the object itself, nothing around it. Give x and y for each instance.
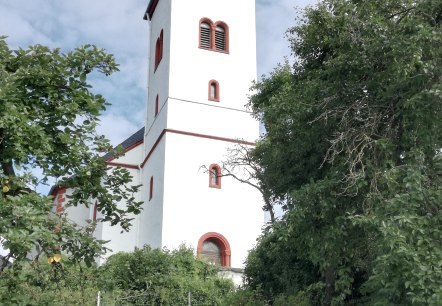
(48, 117)
(353, 138)
(160, 277)
(51, 284)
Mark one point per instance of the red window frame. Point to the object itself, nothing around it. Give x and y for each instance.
(159, 50)
(213, 26)
(156, 106)
(217, 183)
(151, 188)
(222, 243)
(216, 96)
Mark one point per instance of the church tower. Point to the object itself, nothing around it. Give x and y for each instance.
(201, 66)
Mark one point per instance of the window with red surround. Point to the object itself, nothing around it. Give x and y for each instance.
(213, 91)
(214, 248)
(156, 106)
(151, 188)
(159, 50)
(214, 176)
(214, 35)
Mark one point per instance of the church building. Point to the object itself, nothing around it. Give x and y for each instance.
(202, 61)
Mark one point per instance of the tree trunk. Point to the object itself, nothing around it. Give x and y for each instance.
(330, 279)
(269, 208)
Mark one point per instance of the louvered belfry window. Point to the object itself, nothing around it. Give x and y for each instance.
(205, 35)
(214, 36)
(220, 38)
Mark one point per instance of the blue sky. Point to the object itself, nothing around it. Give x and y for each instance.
(117, 26)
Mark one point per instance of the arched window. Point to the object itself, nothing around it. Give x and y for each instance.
(213, 90)
(205, 35)
(156, 106)
(220, 38)
(214, 176)
(151, 188)
(214, 36)
(159, 50)
(214, 248)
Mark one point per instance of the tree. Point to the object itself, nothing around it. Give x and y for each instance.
(160, 277)
(353, 137)
(48, 117)
(57, 283)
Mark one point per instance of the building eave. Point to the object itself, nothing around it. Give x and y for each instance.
(150, 9)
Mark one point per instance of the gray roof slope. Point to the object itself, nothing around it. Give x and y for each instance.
(131, 140)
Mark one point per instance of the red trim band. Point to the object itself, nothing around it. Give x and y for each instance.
(129, 166)
(211, 137)
(153, 148)
(231, 140)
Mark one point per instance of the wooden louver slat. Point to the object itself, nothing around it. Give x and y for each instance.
(205, 37)
(220, 39)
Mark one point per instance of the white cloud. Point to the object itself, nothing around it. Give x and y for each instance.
(116, 128)
(273, 18)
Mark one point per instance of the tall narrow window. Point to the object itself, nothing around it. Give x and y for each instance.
(213, 90)
(159, 50)
(151, 188)
(157, 53)
(214, 176)
(161, 45)
(205, 35)
(220, 38)
(156, 106)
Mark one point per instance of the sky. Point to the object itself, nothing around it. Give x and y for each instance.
(118, 27)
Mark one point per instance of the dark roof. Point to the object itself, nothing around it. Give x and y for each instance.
(135, 138)
(150, 9)
(130, 141)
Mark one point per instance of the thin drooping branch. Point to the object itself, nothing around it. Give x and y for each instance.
(241, 166)
(267, 203)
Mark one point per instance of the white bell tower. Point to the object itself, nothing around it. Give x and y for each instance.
(202, 64)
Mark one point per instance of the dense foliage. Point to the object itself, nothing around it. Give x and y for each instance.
(161, 277)
(143, 277)
(51, 284)
(353, 142)
(48, 117)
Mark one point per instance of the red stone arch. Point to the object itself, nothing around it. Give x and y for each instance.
(222, 243)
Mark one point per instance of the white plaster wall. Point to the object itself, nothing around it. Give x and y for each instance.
(158, 81)
(132, 157)
(212, 120)
(191, 68)
(77, 214)
(125, 241)
(118, 240)
(192, 208)
(183, 207)
(151, 218)
(235, 276)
